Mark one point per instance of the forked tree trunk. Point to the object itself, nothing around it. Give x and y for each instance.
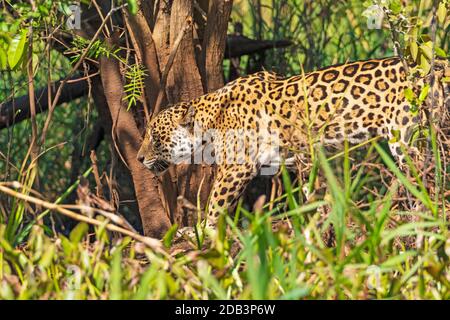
(194, 68)
(195, 71)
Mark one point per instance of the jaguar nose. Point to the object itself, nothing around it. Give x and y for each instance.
(140, 158)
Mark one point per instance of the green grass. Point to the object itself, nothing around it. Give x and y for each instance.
(348, 243)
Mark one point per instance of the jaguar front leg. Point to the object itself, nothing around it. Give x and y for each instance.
(228, 186)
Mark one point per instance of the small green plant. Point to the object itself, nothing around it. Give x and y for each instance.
(134, 89)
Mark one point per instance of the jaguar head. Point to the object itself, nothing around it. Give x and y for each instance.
(169, 138)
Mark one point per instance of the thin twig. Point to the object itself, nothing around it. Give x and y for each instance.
(99, 187)
(396, 42)
(71, 72)
(31, 96)
(100, 13)
(91, 75)
(432, 80)
(111, 216)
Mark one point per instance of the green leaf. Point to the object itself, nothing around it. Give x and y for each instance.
(35, 62)
(398, 259)
(43, 10)
(292, 203)
(425, 65)
(442, 13)
(409, 95)
(64, 8)
(424, 93)
(170, 234)
(412, 228)
(78, 232)
(296, 294)
(414, 48)
(17, 48)
(48, 256)
(440, 53)
(427, 49)
(3, 59)
(132, 6)
(116, 276)
(395, 6)
(67, 246)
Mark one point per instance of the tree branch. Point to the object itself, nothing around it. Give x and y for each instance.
(240, 45)
(17, 110)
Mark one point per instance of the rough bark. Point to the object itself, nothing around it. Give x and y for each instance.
(184, 81)
(155, 221)
(121, 181)
(184, 84)
(145, 47)
(161, 32)
(214, 42)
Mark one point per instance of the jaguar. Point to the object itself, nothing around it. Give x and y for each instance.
(272, 119)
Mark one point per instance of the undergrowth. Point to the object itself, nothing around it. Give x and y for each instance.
(355, 240)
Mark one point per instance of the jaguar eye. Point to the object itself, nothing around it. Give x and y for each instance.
(156, 142)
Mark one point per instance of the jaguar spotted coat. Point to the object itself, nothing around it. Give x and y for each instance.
(353, 101)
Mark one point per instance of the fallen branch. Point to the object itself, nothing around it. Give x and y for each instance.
(152, 243)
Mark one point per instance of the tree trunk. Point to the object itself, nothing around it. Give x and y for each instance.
(145, 47)
(151, 37)
(214, 43)
(155, 221)
(184, 82)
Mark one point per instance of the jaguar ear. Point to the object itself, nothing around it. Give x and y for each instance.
(187, 120)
